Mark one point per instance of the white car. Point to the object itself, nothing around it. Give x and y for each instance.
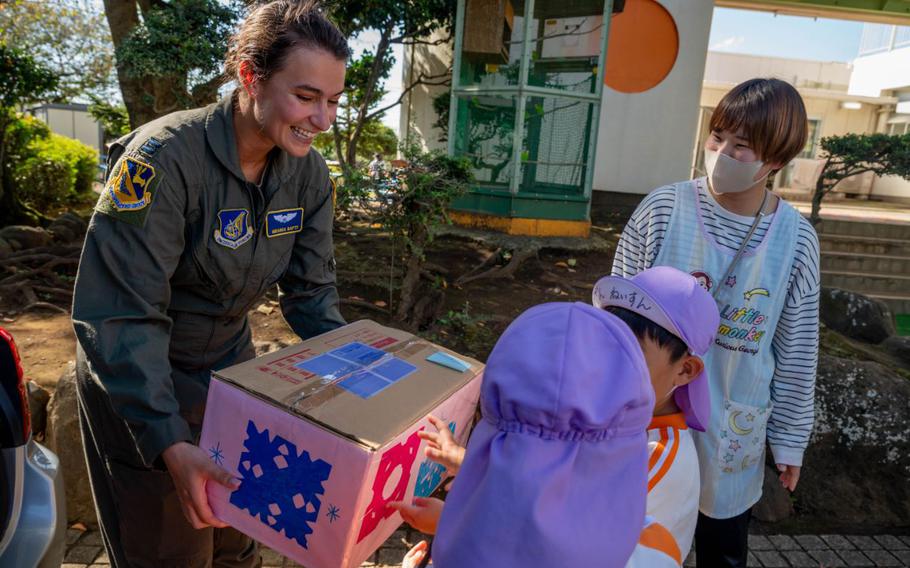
(32, 506)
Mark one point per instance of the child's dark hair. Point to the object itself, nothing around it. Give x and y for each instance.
(642, 327)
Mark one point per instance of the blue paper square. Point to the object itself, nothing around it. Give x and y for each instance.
(364, 384)
(358, 353)
(327, 366)
(395, 369)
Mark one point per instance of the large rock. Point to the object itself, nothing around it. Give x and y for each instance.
(775, 504)
(64, 438)
(21, 237)
(37, 407)
(68, 227)
(857, 468)
(898, 347)
(855, 315)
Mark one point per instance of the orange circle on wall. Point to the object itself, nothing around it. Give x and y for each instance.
(642, 48)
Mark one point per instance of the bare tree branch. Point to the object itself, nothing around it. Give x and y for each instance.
(420, 81)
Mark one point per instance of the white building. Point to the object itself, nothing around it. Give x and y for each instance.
(831, 108)
(72, 121)
(883, 69)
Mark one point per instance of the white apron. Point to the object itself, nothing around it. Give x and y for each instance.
(741, 363)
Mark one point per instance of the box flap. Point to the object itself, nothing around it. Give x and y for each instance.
(363, 381)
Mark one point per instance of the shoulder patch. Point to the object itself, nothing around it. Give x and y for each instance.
(234, 228)
(129, 190)
(284, 222)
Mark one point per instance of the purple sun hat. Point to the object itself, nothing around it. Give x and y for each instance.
(673, 300)
(556, 472)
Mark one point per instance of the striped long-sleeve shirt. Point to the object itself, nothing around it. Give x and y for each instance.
(795, 342)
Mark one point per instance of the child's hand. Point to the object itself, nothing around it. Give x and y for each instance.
(414, 556)
(443, 448)
(423, 515)
(789, 476)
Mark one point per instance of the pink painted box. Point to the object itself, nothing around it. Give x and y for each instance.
(323, 434)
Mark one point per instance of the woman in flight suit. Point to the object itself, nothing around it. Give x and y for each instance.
(203, 211)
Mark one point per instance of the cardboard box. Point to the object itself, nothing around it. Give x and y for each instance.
(323, 434)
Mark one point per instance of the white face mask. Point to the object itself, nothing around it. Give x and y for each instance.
(729, 175)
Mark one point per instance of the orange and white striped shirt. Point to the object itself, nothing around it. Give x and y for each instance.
(673, 478)
(656, 548)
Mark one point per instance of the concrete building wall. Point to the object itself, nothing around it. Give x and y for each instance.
(646, 139)
(885, 73)
(73, 123)
(833, 118)
(417, 114)
(879, 72)
(735, 68)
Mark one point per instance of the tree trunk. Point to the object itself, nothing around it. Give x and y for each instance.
(336, 137)
(418, 237)
(146, 98)
(820, 190)
(382, 51)
(815, 216)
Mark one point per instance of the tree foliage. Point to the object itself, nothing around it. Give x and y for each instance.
(24, 81)
(113, 118)
(169, 53)
(853, 154)
(68, 37)
(395, 23)
(412, 204)
(375, 137)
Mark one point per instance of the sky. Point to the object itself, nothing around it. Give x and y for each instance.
(736, 31)
(763, 33)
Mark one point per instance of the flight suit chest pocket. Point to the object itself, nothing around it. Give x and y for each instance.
(223, 244)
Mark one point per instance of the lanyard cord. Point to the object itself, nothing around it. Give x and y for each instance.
(742, 248)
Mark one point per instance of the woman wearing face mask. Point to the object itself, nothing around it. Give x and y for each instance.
(758, 257)
(203, 211)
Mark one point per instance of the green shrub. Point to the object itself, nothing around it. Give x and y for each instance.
(56, 169)
(21, 133)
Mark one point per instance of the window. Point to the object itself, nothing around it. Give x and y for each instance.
(899, 128)
(812, 139)
(876, 37)
(902, 36)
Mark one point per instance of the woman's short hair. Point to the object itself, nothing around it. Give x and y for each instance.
(772, 115)
(273, 28)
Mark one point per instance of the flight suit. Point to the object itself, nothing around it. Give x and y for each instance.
(180, 247)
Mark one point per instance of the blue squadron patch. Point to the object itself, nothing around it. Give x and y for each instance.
(284, 222)
(151, 146)
(129, 187)
(234, 228)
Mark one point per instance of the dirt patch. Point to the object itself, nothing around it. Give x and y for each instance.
(45, 342)
(470, 320)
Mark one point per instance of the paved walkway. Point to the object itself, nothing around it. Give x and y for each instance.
(84, 550)
(868, 211)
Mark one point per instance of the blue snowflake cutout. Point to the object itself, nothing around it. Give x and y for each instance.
(429, 476)
(279, 486)
(333, 513)
(216, 454)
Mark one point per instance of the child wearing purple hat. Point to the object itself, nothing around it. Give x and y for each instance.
(555, 474)
(674, 319)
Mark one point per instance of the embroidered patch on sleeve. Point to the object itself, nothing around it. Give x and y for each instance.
(129, 191)
(234, 228)
(284, 222)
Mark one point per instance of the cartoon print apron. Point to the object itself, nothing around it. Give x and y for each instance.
(741, 364)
